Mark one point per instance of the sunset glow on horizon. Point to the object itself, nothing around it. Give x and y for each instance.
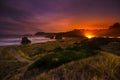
(31, 16)
(89, 36)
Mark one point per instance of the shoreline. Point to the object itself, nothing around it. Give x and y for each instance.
(17, 41)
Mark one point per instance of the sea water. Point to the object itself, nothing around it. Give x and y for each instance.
(7, 41)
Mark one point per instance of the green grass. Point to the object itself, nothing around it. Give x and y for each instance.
(104, 66)
(23, 55)
(69, 59)
(8, 67)
(64, 52)
(8, 62)
(37, 49)
(6, 54)
(113, 47)
(54, 60)
(60, 55)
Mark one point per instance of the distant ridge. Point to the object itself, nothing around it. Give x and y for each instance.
(73, 33)
(113, 31)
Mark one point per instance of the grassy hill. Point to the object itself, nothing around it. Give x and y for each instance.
(9, 64)
(69, 59)
(104, 66)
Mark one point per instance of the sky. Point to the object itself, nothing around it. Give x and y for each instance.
(31, 16)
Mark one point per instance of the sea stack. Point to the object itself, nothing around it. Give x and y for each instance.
(25, 40)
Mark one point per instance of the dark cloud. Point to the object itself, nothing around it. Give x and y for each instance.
(34, 15)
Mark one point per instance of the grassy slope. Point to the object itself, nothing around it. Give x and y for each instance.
(51, 55)
(63, 55)
(8, 62)
(104, 66)
(5, 54)
(42, 48)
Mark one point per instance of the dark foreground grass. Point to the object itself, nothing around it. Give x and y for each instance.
(6, 54)
(104, 66)
(54, 60)
(62, 55)
(9, 68)
(76, 56)
(59, 56)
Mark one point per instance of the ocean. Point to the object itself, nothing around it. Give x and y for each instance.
(7, 41)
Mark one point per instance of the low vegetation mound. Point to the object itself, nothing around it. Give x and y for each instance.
(69, 59)
(62, 55)
(104, 66)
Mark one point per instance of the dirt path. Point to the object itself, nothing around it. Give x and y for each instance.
(21, 59)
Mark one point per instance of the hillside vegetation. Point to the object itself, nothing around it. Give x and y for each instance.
(68, 59)
(104, 66)
(9, 64)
